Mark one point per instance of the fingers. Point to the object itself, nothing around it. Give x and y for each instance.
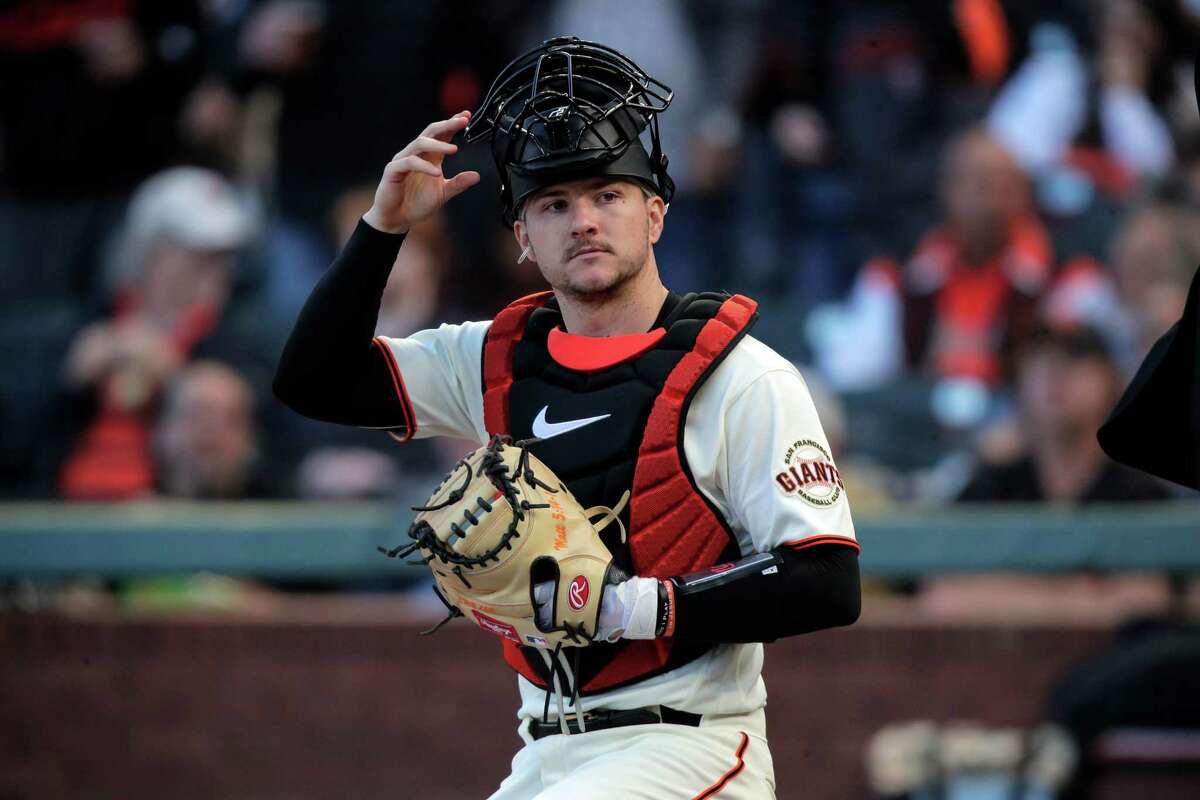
(460, 183)
(425, 144)
(405, 164)
(445, 129)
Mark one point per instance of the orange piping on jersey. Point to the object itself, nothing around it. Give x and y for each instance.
(410, 417)
(594, 353)
(813, 541)
(713, 790)
(984, 32)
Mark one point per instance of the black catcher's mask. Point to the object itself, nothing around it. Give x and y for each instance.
(572, 109)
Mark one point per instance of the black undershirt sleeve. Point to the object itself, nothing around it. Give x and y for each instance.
(811, 590)
(330, 369)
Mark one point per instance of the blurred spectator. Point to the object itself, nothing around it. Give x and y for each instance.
(1089, 114)
(90, 94)
(171, 275)
(354, 81)
(205, 441)
(1084, 293)
(846, 109)
(967, 296)
(1154, 257)
(1067, 383)
(1058, 101)
(972, 285)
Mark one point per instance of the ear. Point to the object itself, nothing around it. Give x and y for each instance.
(657, 210)
(521, 232)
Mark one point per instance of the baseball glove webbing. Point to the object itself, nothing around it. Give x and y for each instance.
(507, 525)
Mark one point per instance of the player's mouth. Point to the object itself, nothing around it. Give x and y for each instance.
(588, 251)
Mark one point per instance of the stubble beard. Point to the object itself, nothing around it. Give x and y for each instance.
(628, 268)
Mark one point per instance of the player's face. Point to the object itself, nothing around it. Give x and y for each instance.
(590, 237)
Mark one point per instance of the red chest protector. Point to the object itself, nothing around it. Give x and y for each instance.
(637, 444)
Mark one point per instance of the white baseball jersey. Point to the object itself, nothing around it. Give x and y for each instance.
(755, 448)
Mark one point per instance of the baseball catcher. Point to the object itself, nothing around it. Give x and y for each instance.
(654, 497)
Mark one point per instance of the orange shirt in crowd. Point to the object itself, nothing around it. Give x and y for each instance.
(961, 320)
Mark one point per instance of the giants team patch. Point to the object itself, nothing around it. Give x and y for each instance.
(809, 473)
(501, 629)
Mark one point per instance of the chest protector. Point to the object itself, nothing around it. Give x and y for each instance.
(612, 427)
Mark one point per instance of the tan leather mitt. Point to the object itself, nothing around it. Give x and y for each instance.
(502, 521)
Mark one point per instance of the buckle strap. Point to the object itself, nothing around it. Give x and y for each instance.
(604, 719)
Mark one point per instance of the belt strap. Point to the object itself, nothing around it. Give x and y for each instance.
(602, 720)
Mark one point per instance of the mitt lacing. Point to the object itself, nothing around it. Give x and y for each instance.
(572, 676)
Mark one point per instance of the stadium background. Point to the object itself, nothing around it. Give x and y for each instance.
(190, 599)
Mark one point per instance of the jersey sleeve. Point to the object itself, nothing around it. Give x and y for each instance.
(780, 481)
(437, 377)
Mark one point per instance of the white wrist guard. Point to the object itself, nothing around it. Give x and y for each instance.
(629, 610)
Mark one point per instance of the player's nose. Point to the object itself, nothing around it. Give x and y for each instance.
(584, 219)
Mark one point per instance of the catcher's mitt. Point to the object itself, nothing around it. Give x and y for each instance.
(499, 523)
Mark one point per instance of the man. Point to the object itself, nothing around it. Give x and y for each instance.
(171, 277)
(205, 439)
(739, 527)
(1067, 382)
(965, 298)
(972, 285)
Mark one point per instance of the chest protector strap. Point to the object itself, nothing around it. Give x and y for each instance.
(506, 330)
(673, 528)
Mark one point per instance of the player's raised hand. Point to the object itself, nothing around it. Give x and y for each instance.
(413, 186)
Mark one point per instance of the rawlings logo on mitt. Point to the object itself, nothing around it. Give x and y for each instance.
(500, 523)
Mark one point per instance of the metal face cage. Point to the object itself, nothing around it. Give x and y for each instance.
(568, 108)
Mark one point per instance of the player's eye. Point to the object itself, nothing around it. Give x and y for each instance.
(555, 205)
(608, 197)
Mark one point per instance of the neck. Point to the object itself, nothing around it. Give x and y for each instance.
(981, 246)
(632, 307)
(1067, 465)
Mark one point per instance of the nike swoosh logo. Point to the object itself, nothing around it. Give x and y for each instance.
(545, 430)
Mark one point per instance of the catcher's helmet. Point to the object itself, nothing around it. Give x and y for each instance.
(571, 109)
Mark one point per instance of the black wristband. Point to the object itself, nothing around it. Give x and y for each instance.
(664, 609)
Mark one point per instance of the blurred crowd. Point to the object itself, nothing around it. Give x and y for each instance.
(966, 220)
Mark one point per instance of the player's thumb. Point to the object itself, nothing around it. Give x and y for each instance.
(460, 183)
